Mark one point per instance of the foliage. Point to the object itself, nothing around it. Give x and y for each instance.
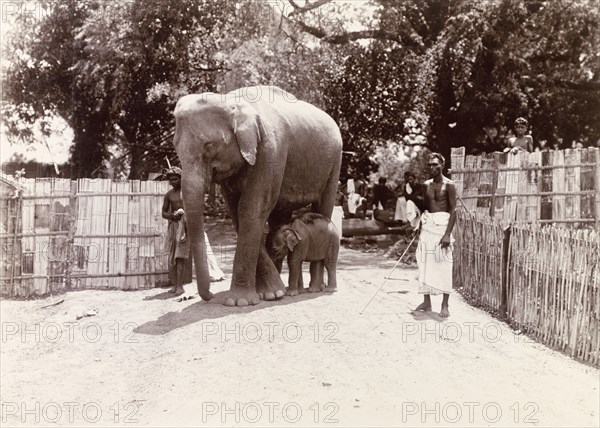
(467, 67)
(394, 159)
(399, 73)
(114, 70)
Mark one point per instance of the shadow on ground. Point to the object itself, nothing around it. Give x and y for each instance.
(214, 309)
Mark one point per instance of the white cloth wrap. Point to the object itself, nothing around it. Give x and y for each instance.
(413, 214)
(353, 202)
(336, 218)
(400, 213)
(214, 271)
(435, 263)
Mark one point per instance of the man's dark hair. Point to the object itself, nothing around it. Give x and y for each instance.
(439, 157)
(382, 180)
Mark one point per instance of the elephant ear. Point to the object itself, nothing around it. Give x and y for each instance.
(246, 128)
(292, 238)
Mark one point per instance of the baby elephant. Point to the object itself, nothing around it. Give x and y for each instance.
(310, 237)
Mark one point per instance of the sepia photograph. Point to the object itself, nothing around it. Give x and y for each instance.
(300, 213)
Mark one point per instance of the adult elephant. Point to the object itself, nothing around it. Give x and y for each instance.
(272, 154)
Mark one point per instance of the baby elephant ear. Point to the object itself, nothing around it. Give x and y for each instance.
(292, 238)
(246, 126)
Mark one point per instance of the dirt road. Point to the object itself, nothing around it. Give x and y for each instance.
(148, 360)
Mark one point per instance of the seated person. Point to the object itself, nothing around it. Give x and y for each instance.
(410, 201)
(356, 190)
(381, 194)
(386, 215)
(384, 202)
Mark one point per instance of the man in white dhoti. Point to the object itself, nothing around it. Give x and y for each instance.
(434, 253)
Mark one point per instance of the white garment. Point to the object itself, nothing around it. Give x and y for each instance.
(412, 214)
(350, 186)
(435, 263)
(400, 213)
(336, 218)
(353, 202)
(214, 271)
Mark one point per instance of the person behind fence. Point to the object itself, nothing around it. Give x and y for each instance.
(520, 141)
(434, 252)
(177, 241)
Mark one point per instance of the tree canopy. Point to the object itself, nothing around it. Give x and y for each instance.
(435, 73)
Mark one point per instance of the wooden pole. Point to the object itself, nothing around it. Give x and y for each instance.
(71, 234)
(597, 187)
(505, 277)
(494, 186)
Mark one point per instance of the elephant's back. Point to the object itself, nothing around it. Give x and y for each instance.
(272, 101)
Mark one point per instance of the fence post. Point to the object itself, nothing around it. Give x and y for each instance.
(494, 186)
(505, 264)
(71, 235)
(597, 194)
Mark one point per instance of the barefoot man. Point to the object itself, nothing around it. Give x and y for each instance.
(179, 246)
(434, 253)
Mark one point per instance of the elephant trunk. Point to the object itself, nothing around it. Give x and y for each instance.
(193, 187)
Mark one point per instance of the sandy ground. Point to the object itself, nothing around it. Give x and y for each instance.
(148, 360)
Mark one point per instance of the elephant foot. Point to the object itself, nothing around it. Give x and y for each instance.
(329, 289)
(292, 291)
(315, 288)
(240, 296)
(269, 285)
(268, 293)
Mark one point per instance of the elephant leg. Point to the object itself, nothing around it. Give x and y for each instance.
(232, 201)
(269, 285)
(295, 278)
(331, 266)
(241, 293)
(316, 277)
(301, 282)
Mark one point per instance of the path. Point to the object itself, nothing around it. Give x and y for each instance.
(302, 361)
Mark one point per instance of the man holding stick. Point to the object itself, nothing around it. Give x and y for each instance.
(434, 253)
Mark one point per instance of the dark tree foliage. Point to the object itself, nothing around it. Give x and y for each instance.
(466, 70)
(435, 73)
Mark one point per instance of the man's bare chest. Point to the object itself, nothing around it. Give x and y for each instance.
(437, 192)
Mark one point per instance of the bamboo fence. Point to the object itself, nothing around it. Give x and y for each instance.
(58, 234)
(543, 279)
(478, 263)
(560, 186)
(554, 287)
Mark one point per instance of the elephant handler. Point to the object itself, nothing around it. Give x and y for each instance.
(177, 242)
(434, 253)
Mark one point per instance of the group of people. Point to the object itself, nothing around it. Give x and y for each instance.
(431, 207)
(357, 198)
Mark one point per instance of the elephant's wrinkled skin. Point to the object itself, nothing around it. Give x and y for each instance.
(272, 154)
(311, 237)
